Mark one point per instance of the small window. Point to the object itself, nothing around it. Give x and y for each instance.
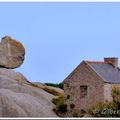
(83, 91)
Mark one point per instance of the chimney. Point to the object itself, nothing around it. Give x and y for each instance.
(112, 60)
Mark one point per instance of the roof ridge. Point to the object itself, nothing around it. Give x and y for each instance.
(97, 62)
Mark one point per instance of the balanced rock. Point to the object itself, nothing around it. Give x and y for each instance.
(11, 53)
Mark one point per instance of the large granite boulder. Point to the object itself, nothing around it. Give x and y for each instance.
(11, 53)
(19, 98)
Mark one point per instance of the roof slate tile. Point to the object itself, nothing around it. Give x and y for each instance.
(108, 72)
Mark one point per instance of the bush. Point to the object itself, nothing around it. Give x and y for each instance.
(60, 85)
(58, 100)
(98, 110)
(60, 106)
(116, 95)
(111, 109)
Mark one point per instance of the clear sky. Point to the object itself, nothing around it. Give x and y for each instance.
(58, 36)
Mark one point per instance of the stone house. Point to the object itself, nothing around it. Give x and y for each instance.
(91, 83)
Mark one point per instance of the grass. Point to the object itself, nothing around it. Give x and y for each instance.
(52, 91)
(111, 109)
(45, 88)
(58, 101)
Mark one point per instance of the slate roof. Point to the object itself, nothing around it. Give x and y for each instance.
(107, 71)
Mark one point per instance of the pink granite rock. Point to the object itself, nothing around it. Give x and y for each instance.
(11, 53)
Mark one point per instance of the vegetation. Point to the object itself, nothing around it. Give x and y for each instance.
(52, 91)
(116, 95)
(111, 109)
(60, 106)
(60, 85)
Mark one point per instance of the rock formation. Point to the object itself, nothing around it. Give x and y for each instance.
(11, 53)
(18, 96)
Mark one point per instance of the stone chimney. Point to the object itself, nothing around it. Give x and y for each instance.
(112, 60)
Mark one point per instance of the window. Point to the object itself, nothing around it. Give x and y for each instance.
(83, 91)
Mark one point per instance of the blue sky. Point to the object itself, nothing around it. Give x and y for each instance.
(58, 36)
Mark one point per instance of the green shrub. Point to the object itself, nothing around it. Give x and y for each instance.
(60, 106)
(116, 95)
(111, 109)
(98, 110)
(58, 100)
(60, 85)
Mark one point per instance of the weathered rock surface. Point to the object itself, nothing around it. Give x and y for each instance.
(18, 98)
(41, 85)
(11, 53)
